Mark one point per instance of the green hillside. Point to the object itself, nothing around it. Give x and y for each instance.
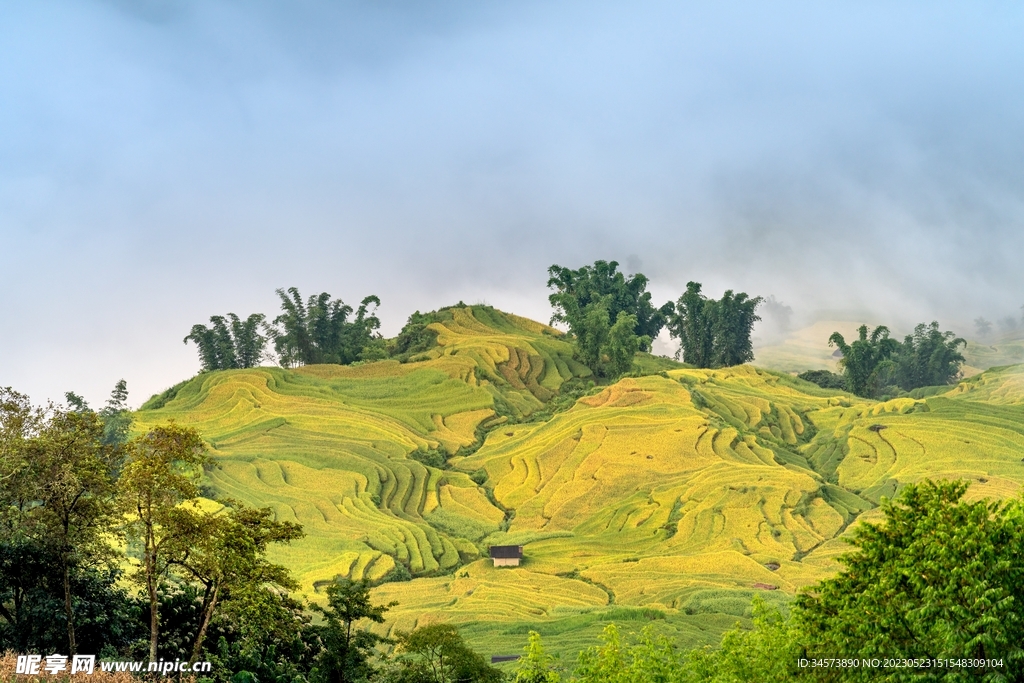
(667, 499)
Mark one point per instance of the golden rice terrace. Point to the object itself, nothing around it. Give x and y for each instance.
(669, 498)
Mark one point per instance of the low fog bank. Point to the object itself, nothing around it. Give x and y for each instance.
(164, 162)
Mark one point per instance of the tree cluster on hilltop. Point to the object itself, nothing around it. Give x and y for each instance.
(317, 330)
(714, 334)
(875, 364)
(230, 343)
(611, 317)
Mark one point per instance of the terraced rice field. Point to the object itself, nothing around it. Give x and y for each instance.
(667, 499)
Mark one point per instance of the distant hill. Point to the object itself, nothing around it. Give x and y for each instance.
(807, 349)
(666, 499)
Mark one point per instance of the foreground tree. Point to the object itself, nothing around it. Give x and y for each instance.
(320, 330)
(225, 553)
(939, 578)
(536, 665)
(66, 498)
(229, 343)
(436, 653)
(57, 582)
(263, 633)
(768, 652)
(162, 472)
(347, 649)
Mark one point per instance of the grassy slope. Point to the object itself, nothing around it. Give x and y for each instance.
(682, 492)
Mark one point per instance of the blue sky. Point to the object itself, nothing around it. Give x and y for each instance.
(162, 162)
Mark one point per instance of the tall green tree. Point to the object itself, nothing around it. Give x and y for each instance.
(347, 648)
(117, 418)
(225, 553)
(623, 345)
(263, 632)
(591, 333)
(693, 324)
(32, 606)
(714, 334)
(940, 577)
(161, 473)
(735, 315)
(320, 330)
(577, 290)
(230, 342)
(19, 422)
(867, 359)
(67, 489)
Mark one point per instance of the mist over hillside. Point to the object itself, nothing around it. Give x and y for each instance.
(161, 162)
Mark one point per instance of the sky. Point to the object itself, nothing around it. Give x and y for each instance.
(162, 161)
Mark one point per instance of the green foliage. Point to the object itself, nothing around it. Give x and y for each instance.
(536, 666)
(264, 634)
(866, 361)
(116, 417)
(320, 330)
(876, 365)
(160, 474)
(431, 457)
(32, 603)
(436, 653)
(60, 496)
(824, 379)
(692, 323)
(768, 652)
(714, 334)
(347, 650)
(606, 348)
(928, 357)
(941, 577)
(225, 554)
(623, 344)
(76, 402)
(735, 315)
(650, 659)
(603, 284)
(416, 336)
(229, 343)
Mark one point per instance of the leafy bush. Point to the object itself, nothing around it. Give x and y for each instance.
(824, 379)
